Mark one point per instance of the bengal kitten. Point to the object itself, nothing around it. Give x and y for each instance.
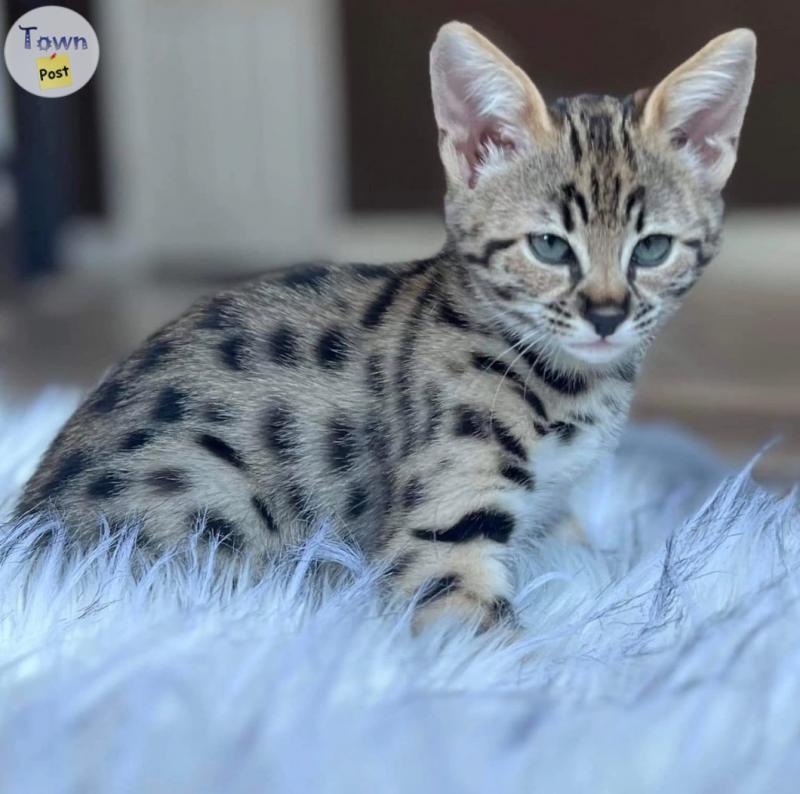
(434, 412)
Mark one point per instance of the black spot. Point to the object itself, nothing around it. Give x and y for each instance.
(219, 530)
(637, 194)
(216, 414)
(517, 475)
(265, 513)
(373, 271)
(489, 250)
(376, 311)
(282, 346)
(496, 525)
(73, 464)
(106, 396)
(218, 314)
(153, 355)
(401, 564)
(438, 588)
(564, 430)
(595, 190)
(486, 363)
(574, 140)
(168, 481)
(566, 216)
(136, 440)
(378, 448)
(279, 429)
(433, 400)
(406, 389)
(298, 500)
(504, 293)
(342, 444)
(601, 137)
(332, 349)
(627, 144)
(471, 422)
(572, 194)
(233, 352)
(640, 221)
(357, 501)
(170, 405)
(449, 315)
(566, 383)
(221, 449)
(413, 493)
(502, 611)
(312, 276)
(508, 440)
(627, 371)
(106, 486)
(376, 379)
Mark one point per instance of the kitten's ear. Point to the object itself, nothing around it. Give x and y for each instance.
(486, 107)
(701, 105)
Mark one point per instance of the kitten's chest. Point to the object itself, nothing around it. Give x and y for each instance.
(577, 440)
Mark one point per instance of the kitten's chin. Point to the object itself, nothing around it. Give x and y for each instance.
(599, 352)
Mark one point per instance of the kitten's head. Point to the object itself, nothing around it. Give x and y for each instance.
(585, 222)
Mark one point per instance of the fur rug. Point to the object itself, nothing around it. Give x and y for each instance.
(664, 658)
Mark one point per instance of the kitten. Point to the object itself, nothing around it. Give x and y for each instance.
(435, 412)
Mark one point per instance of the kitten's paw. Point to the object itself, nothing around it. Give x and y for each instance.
(461, 607)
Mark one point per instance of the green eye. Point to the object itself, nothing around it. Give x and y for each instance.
(551, 249)
(651, 250)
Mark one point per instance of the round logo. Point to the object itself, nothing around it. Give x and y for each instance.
(51, 51)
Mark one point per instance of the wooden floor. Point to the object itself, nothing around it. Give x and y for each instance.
(727, 367)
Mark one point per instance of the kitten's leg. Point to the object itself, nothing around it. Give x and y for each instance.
(453, 547)
(468, 581)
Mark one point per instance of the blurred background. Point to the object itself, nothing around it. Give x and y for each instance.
(218, 140)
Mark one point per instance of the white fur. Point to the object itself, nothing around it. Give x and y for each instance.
(663, 659)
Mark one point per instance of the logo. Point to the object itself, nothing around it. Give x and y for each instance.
(51, 51)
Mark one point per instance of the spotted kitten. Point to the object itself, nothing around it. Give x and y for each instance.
(436, 412)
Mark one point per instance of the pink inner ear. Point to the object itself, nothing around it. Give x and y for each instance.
(477, 146)
(717, 119)
(705, 127)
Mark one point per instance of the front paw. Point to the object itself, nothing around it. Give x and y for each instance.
(446, 601)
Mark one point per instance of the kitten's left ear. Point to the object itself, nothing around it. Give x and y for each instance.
(701, 104)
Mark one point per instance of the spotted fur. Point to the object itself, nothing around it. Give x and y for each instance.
(435, 412)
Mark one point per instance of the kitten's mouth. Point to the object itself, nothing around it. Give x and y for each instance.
(597, 352)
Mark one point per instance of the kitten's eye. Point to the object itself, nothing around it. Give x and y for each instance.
(651, 250)
(551, 249)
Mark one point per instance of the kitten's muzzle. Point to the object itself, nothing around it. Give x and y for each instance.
(606, 316)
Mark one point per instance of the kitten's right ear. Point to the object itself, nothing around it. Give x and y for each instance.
(486, 107)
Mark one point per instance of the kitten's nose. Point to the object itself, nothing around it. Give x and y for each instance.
(605, 316)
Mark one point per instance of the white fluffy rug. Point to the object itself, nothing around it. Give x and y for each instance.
(666, 658)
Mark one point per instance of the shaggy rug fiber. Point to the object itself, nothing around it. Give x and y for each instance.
(665, 657)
